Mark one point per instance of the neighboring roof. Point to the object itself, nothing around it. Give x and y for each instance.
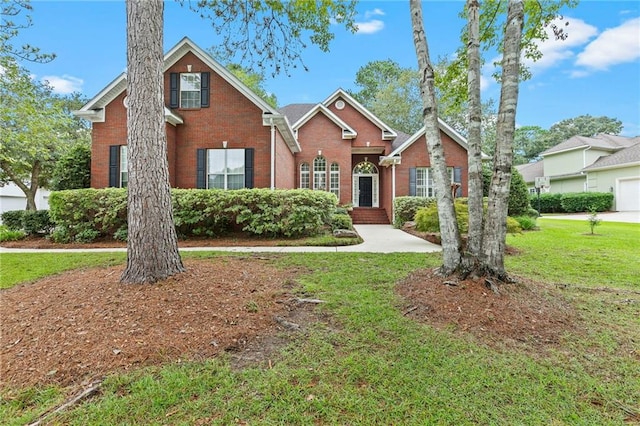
(601, 141)
(387, 132)
(531, 171)
(347, 131)
(94, 109)
(626, 157)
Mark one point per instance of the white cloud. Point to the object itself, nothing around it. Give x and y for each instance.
(375, 12)
(65, 84)
(555, 51)
(614, 46)
(370, 27)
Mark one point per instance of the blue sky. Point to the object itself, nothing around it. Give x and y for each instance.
(595, 71)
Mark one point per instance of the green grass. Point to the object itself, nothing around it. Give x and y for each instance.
(372, 365)
(564, 252)
(24, 267)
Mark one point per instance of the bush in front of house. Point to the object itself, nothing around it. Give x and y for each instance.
(31, 222)
(427, 219)
(579, 202)
(85, 215)
(518, 195)
(405, 208)
(341, 221)
(549, 202)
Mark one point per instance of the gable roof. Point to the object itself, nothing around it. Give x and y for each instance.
(387, 132)
(444, 127)
(626, 157)
(347, 131)
(94, 109)
(600, 141)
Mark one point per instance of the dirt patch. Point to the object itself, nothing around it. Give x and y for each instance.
(80, 325)
(526, 312)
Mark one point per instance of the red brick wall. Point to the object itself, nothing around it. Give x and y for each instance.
(285, 165)
(417, 156)
(231, 117)
(112, 132)
(320, 133)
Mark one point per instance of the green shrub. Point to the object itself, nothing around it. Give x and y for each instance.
(341, 221)
(531, 212)
(12, 219)
(32, 222)
(527, 223)
(405, 208)
(579, 202)
(513, 227)
(73, 169)
(549, 203)
(87, 214)
(7, 234)
(518, 195)
(37, 222)
(427, 218)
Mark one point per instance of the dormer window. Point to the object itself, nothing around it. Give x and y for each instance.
(189, 90)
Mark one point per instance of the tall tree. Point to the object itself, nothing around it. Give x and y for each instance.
(14, 16)
(152, 243)
(450, 234)
(583, 125)
(267, 32)
(34, 130)
(495, 227)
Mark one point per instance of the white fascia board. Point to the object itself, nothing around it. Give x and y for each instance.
(347, 131)
(282, 124)
(91, 110)
(387, 132)
(611, 167)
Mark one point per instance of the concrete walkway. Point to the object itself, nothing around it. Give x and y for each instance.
(377, 239)
(627, 217)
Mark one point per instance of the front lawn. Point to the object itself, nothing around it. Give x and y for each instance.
(366, 361)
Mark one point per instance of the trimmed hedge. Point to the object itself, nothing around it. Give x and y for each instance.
(573, 202)
(427, 219)
(88, 214)
(587, 201)
(32, 222)
(406, 208)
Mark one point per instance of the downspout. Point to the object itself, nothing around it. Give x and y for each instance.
(393, 192)
(273, 155)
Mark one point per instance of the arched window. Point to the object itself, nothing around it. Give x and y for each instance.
(304, 176)
(320, 173)
(365, 168)
(334, 179)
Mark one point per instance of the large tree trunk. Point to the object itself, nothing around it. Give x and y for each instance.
(449, 232)
(474, 154)
(29, 191)
(152, 247)
(495, 229)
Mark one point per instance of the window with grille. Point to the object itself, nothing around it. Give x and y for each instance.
(304, 176)
(190, 90)
(320, 174)
(334, 179)
(225, 168)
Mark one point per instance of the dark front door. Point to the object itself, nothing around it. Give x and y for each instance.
(365, 198)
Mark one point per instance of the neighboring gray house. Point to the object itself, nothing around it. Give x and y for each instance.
(602, 163)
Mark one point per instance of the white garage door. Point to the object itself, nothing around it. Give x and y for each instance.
(628, 197)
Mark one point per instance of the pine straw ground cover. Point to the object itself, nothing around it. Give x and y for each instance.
(71, 329)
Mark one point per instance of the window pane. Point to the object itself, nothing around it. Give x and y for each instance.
(216, 161)
(216, 182)
(225, 168)
(190, 90)
(235, 181)
(304, 176)
(124, 162)
(235, 160)
(335, 179)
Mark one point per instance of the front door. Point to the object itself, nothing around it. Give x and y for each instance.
(365, 197)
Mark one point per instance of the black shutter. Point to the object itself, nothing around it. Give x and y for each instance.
(201, 169)
(248, 168)
(174, 87)
(457, 178)
(412, 182)
(204, 90)
(114, 166)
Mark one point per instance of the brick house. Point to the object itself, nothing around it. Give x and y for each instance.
(221, 135)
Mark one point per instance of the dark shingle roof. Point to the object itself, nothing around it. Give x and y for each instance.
(531, 171)
(621, 158)
(295, 112)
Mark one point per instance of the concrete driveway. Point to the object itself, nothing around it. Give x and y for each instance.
(628, 217)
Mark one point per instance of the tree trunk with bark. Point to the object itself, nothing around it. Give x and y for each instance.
(474, 154)
(495, 228)
(29, 191)
(449, 233)
(152, 244)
